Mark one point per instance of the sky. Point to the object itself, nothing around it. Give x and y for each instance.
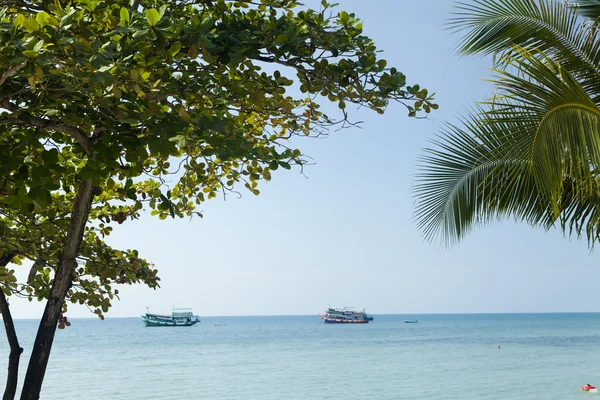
(343, 234)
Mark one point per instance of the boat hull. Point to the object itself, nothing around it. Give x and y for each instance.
(344, 321)
(158, 324)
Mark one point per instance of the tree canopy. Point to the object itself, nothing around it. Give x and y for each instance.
(125, 96)
(184, 82)
(111, 107)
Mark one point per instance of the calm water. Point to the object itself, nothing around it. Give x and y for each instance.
(542, 356)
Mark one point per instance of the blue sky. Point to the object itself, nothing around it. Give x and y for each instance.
(344, 235)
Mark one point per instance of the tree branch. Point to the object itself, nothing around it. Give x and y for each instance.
(11, 335)
(11, 71)
(49, 124)
(18, 3)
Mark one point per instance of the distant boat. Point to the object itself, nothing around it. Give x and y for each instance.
(410, 321)
(346, 315)
(179, 317)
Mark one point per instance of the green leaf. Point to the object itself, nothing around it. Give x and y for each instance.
(31, 53)
(50, 156)
(174, 50)
(31, 25)
(153, 17)
(40, 196)
(38, 45)
(343, 17)
(140, 33)
(124, 15)
(162, 11)
(42, 18)
(19, 21)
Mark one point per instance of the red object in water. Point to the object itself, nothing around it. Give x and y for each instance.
(587, 388)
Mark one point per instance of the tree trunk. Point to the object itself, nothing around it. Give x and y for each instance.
(11, 335)
(62, 282)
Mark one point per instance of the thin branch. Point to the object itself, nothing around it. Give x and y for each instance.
(11, 71)
(58, 126)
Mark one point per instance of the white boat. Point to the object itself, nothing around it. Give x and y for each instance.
(347, 315)
(179, 317)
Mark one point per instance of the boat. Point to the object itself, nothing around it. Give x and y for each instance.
(589, 388)
(410, 321)
(179, 317)
(347, 315)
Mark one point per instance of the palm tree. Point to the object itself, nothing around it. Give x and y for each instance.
(532, 151)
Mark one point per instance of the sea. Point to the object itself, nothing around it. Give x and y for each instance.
(474, 356)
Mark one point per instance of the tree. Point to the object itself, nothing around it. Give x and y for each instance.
(531, 152)
(113, 96)
(38, 237)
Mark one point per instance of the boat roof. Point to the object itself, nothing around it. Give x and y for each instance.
(159, 315)
(175, 312)
(348, 309)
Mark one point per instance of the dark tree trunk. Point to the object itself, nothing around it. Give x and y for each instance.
(62, 282)
(11, 335)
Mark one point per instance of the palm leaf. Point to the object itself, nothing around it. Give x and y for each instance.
(587, 8)
(557, 122)
(581, 217)
(548, 26)
(465, 181)
(531, 153)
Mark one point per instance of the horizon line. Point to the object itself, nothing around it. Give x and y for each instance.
(314, 315)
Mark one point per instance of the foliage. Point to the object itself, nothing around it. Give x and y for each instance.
(40, 238)
(162, 105)
(182, 82)
(532, 152)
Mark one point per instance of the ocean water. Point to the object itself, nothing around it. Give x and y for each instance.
(542, 356)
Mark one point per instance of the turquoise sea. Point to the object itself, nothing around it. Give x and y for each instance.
(542, 356)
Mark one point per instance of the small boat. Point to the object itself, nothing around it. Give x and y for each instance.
(410, 321)
(179, 317)
(589, 388)
(346, 315)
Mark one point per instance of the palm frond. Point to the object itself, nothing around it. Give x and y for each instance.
(557, 122)
(532, 153)
(587, 8)
(548, 26)
(464, 182)
(581, 217)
